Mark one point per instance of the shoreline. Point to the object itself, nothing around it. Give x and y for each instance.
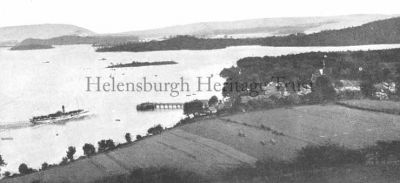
(186, 130)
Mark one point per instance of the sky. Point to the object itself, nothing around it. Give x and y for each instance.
(110, 16)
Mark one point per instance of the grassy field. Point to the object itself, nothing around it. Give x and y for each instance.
(390, 107)
(212, 146)
(175, 148)
(316, 124)
(255, 142)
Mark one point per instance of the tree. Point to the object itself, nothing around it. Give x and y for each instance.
(88, 149)
(232, 86)
(2, 162)
(155, 130)
(213, 100)
(105, 145)
(110, 144)
(102, 146)
(7, 174)
(138, 137)
(194, 107)
(70, 153)
(45, 166)
(24, 169)
(323, 89)
(64, 161)
(367, 88)
(128, 137)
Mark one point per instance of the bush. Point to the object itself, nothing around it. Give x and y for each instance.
(155, 130)
(2, 162)
(128, 138)
(24, 169)
(89, 149)
(105, 145)
(316, 156)
(64, 161)
(70, 153)
(367, 89)
(213, 100)
(293, 99)
(255, 104)
(6, 174)
(383, 150)
(194, 107)
(348, 95)
(184, 121)
(44, 166)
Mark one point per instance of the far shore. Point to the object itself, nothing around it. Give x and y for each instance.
(140, 64)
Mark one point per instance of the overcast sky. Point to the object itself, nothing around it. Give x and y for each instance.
(106, 16)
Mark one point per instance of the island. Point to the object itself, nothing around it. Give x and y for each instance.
(31, 47)
(140, 64)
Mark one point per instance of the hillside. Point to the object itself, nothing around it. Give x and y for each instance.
(212, 146)
(41, 31)
(378, 32)
(260, 27)
(59, 34)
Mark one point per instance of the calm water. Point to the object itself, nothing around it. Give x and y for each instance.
(30, 86)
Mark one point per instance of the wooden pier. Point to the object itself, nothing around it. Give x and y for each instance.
(151, 106)
(168, 105)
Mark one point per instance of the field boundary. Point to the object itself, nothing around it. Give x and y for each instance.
(387, 111)
(266, 130)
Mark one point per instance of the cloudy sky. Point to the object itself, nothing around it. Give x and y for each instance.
(106, 16)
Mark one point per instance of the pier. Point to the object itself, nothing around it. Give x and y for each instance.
(168, 105)
(151, 106)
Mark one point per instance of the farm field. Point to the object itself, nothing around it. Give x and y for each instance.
(212, 146)
(321, 123)
(175, 148)
(373, 105)
(254, 141)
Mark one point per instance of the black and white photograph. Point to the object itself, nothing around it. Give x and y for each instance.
(199, 91)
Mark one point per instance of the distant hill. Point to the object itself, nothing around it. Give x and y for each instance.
(60, 34)
(73, 39)
(31, 47)
(16, 34)
(378, 32)
(260, 27)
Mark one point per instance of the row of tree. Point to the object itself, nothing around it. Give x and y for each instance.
(88, 150)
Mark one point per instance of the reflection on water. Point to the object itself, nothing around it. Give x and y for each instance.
(39, 82)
